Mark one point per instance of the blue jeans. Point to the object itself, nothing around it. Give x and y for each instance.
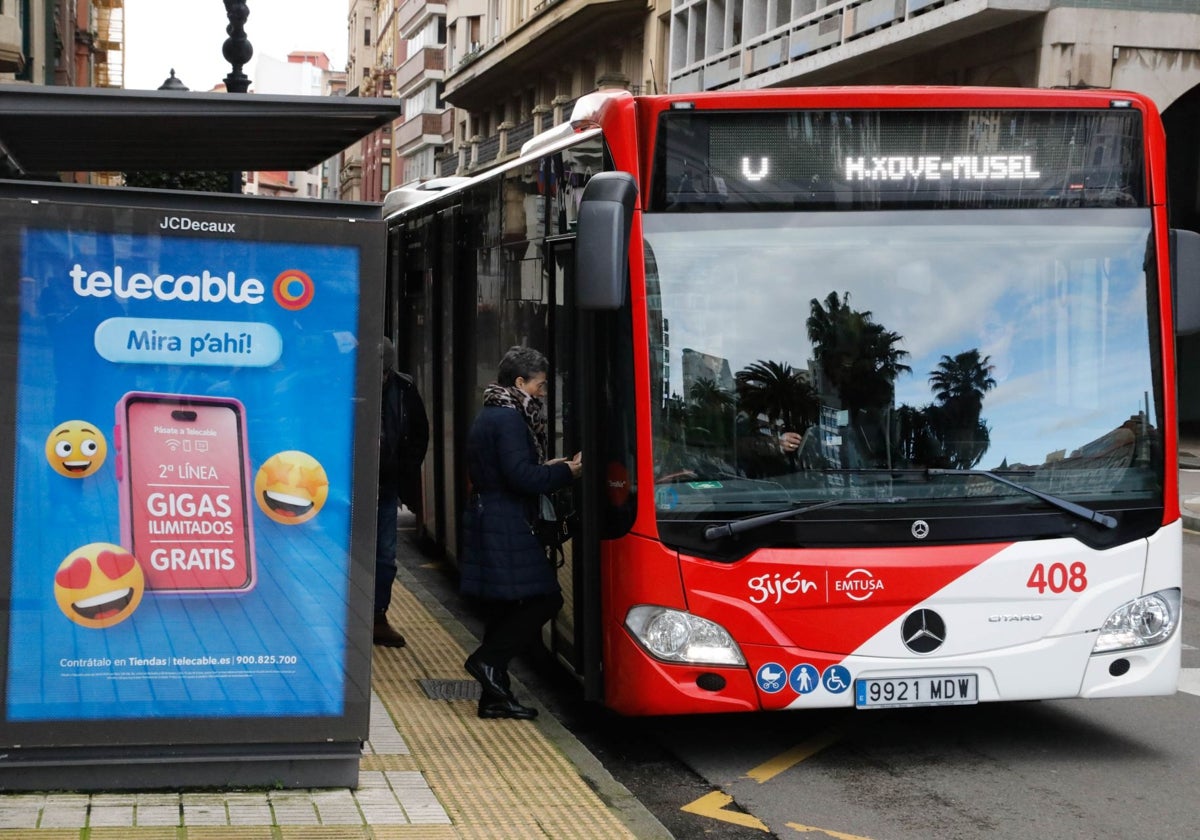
(385, 550)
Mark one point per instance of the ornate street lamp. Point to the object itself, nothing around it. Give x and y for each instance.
(173, 82)
(237, 49)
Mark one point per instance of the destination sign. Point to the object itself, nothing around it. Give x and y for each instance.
(761, 160)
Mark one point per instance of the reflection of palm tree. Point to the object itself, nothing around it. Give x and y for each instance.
(859, 357)
(959, 384)
(779, 392)
(710, 412)
(860, 361)
(963, 379)
(706, 393)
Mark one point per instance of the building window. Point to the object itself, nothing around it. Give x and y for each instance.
(367, 33)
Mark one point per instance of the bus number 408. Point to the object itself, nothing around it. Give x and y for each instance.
(1058, 578)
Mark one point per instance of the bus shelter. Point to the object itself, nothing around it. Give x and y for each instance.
(191, 393)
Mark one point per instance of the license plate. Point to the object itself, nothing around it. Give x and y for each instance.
(941, 690)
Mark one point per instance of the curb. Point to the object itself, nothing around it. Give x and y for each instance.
(1191, 522)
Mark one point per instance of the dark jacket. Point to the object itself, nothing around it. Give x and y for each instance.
(501, 558)
(403, 438)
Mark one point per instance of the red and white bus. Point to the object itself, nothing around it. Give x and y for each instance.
(874, 388)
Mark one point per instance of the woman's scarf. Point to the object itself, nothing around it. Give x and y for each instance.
(532, 410)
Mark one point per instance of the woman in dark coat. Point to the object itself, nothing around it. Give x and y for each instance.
(503, 563)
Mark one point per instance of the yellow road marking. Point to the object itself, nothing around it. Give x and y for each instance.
(773, 767)
(838, 835)
(713, 804)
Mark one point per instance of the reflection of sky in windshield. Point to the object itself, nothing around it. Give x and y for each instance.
(1056, 298)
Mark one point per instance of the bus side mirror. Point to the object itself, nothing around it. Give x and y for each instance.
(1185, 280)
(602, 240)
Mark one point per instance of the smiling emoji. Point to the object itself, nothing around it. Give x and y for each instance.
(76, 449)
(291, 487)
(99, 585)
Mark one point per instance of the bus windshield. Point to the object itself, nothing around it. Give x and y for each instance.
(803, 357)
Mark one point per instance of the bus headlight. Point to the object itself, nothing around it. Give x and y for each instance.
(1147, 620)
(676, 636)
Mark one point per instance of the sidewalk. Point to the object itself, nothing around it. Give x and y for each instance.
(431, 770)
(1189, 483)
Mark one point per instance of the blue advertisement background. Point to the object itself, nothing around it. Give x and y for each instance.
(284, 640)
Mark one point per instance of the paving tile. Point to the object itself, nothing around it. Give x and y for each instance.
(64, 815)
(21, 810)
(101, 815)
(249, 809)
(150, 814)
(294, 809)
(204, 812)
(337, 807)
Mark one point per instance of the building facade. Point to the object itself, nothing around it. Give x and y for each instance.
(303, 74)
(425, 132)
(396, 49)
(515, 67)
(74, 43)
(362, 33)
(77, 43)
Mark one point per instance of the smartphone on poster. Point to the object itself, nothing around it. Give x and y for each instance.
(183, 472)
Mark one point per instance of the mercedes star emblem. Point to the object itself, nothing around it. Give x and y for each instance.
(920, 529)
(923, 631)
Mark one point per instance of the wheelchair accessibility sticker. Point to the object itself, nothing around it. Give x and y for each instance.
(836, 679)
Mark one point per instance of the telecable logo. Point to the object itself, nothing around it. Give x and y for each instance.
(205, 287)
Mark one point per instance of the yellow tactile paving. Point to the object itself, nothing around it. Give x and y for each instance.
(221, 832)
(501, 777)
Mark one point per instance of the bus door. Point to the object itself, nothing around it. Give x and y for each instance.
(573, 636)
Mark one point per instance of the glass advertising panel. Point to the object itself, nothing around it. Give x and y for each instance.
(182, 444)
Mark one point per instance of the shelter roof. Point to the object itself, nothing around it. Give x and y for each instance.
(53, 129)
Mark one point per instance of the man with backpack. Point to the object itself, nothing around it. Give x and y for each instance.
(403, 439)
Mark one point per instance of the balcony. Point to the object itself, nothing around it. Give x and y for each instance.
(412, 15)
(419, 66)
(422, 129)
(550, 39)
(829, 44)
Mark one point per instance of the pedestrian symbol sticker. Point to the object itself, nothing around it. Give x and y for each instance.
(771, 677)
(804, 678)
(836, 679)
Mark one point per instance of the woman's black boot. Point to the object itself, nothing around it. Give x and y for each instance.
(494, 680)
(504, 706)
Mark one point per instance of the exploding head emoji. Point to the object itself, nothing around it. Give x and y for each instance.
(99, 585)
(291, 487)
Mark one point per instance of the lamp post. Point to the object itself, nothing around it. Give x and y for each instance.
(237, 49)
(173, 82)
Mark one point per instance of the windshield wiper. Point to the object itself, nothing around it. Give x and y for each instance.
(737, 526)
(1062, 504)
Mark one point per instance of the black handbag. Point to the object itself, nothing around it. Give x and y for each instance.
(551, 531)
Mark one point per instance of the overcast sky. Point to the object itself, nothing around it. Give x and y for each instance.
(187, 35)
